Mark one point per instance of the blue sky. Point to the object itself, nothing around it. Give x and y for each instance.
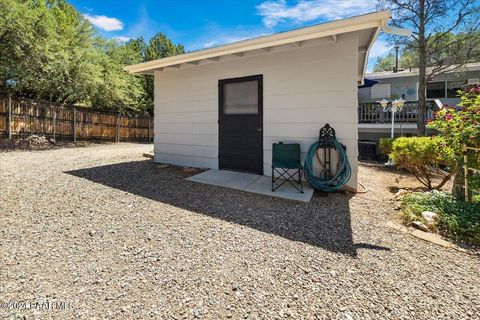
(199, 24)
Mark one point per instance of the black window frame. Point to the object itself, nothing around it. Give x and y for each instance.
(444, 90)
(455, 94)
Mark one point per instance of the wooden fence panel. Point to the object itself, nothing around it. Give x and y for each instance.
(134, 129)
(63, 122)
(95, 125)
(51, 119)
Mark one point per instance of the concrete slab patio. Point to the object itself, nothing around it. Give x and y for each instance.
(251, 183)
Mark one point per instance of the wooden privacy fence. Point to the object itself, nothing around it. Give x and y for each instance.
(24, 117)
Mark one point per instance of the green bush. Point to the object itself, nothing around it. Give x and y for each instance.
(385, 145)
(426, 158)
(458, 220)
(460, 126)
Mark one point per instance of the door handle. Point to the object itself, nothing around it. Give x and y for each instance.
(259, 129)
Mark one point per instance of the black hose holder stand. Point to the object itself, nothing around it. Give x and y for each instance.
(325, 142)
(326, 137)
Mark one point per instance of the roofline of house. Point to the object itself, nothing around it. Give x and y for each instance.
(414, 73)
(334, 28)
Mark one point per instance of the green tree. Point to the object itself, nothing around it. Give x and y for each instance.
(48, 48)
(53, 53)
(386, 63)
(407, 59)
(138, 49)
(118, 90)
(24, 29)
(72, 72)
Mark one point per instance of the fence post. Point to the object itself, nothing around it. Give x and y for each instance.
(117, 129)
(74, 124)
(37, 122)
(465, 171)
(9, 118)
(382, 114)
(149, 124)
(54, 121)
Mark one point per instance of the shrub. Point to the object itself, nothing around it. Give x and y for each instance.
(425, 158)
(458, 220)
(385, 145)
(459, 126)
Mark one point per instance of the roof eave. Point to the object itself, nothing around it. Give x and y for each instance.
(371, 41)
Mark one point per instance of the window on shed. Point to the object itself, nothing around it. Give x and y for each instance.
(381, 90)
(240, 97)
(435, 90)
(453, 87)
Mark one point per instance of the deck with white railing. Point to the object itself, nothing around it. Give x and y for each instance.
(372, 113)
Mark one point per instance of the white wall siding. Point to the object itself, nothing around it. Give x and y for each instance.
(303, 88)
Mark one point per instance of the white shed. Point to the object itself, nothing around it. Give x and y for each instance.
(223, 107)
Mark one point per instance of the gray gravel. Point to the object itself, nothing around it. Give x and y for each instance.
(119, 238)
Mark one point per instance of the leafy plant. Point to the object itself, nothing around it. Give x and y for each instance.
(385, 145)
(457, 219)
(426, 158)
(461, 126)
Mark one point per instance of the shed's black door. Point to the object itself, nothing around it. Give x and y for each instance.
(241, 124)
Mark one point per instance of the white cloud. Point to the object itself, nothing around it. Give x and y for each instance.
(213, 34)
(225, 39)
(379, 49)
(122, 38)
(104, 22)
(146, 27)
(209, 44)
(278, 11)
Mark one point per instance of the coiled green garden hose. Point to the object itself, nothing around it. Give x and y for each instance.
(338, 180)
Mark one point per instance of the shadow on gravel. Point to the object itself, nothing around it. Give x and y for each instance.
(325, 222)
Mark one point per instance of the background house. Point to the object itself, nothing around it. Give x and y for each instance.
(374, 124)
(404, 84)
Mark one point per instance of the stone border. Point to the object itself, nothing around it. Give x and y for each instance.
(427, 236)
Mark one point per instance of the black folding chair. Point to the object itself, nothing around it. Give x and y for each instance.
(286, 162)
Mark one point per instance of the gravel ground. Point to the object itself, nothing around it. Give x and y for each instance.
(35, 142)
(116, 237)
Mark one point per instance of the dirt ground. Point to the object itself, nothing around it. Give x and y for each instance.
(102, 233)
